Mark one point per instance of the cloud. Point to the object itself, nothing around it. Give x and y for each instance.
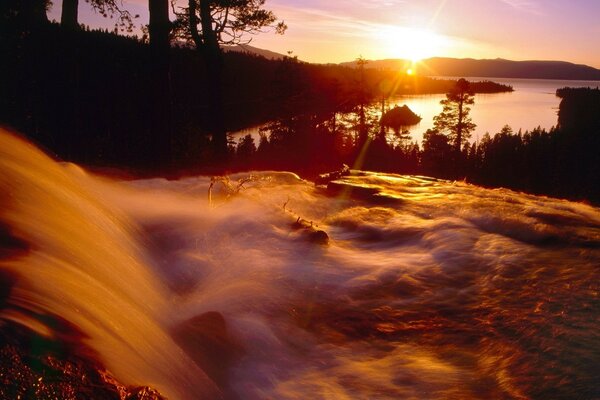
(528, 6)
(330, 23)
(377, 3)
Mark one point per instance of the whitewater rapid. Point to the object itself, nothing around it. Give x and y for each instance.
(426, 289)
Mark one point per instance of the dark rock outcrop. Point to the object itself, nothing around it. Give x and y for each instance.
(31, 367)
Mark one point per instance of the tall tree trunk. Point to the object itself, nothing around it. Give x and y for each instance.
(68, 17)
(363, 132)
(160, 26)
(214, 68)
(382, 135)
(459, 126)
(161, 124)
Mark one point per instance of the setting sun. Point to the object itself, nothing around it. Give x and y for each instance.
(410, 43)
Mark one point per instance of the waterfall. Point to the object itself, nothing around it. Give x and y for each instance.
(426, 288)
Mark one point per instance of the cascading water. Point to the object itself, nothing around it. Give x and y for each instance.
(86, 265)
(427, 289)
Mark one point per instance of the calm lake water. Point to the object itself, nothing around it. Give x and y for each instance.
(532, 104)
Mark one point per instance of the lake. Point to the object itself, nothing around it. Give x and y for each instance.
(533, 103)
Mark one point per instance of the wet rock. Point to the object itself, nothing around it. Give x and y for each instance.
(208, 341)
(143, 393)
(32, 369)
(10, 245)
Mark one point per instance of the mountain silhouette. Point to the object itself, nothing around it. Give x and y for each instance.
(245, 48)
(496, 68)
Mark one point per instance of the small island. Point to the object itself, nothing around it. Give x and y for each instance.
(399, 117)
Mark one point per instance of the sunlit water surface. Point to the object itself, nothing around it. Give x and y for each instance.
(428, 289)
(533, 103)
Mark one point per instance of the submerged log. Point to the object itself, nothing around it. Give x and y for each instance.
(324, 179)
(310, 232)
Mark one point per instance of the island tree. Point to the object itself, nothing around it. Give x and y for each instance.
(454, 119)
(209, 25)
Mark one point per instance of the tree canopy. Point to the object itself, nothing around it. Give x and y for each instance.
(209, 24)
(454, 119)
(106, 8)
(223, 22)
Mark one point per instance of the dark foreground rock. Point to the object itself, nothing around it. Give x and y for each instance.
(33, 368)
(207, 339)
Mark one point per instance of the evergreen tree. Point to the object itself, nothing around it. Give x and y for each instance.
(363, 130)
(211, 24)
(454, 119)
(437, 154)
(245, 148)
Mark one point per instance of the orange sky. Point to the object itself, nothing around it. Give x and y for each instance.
(342, 30)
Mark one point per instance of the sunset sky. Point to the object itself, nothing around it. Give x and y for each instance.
(342, 30)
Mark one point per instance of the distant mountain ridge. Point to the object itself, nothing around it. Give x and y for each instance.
(496, 68)
(246, 48)
(469, 67)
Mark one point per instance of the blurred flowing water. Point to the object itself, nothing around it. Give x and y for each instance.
(427, 289)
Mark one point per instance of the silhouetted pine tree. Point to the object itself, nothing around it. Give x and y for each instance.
(454, 119)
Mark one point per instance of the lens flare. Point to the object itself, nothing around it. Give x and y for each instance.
(410, 43)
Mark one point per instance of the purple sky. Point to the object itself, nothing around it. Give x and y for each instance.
(342, 30)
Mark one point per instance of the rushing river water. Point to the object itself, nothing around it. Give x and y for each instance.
(427, 289)
(533, 103)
